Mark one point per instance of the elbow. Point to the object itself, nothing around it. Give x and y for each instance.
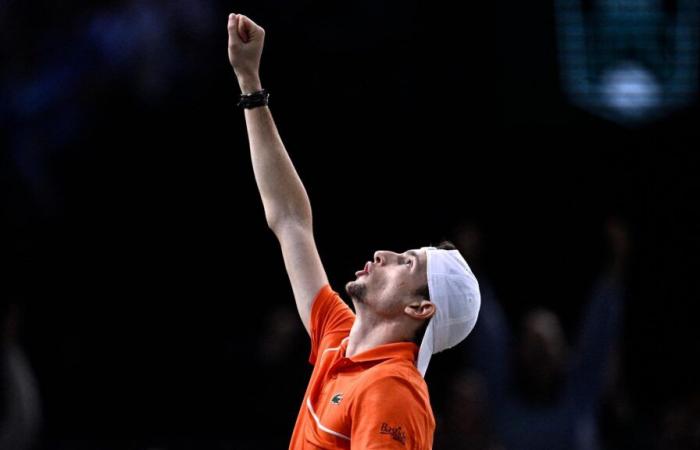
(280, 222)
(289, 213)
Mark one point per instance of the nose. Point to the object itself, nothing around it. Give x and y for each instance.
(382, 257)
(378, 257)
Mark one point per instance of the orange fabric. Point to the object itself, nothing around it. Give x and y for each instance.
(375, 400)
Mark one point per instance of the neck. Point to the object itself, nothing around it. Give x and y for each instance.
(370, 331)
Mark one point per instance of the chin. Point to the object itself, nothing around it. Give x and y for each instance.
(356, 290)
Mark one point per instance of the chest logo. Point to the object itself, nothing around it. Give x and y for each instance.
(337, 398)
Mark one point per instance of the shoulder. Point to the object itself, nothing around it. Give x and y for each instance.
(331, 321)
(396, 383)
(401, 373)
(329, 312)
(329, 297)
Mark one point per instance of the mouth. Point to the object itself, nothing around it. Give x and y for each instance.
(365, 271)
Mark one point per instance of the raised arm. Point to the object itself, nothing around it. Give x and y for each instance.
(602, 322)
(286, 204)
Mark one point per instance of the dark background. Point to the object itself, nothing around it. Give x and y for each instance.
(134, 239)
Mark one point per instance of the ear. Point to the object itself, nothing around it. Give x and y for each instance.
(420, 309)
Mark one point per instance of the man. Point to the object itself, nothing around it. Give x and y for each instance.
(367, 389)
(542, 393)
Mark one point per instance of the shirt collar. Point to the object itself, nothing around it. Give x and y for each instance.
(394, 350)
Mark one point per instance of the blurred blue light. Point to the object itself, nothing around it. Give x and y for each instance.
(629, 61)
(630, 90)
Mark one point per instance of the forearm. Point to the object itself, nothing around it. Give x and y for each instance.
(283, 195)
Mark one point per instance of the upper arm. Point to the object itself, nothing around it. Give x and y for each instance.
(303, 263)
(391, 414)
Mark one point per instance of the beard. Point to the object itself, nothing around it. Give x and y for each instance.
(356, 291)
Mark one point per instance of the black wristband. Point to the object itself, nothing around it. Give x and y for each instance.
(254, 99)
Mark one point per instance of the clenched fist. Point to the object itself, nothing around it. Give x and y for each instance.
(245, 44)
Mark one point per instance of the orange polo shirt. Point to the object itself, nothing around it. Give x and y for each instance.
(375, 400)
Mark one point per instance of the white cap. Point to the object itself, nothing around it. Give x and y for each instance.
(455, 292)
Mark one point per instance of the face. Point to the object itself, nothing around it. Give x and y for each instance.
(390, 282)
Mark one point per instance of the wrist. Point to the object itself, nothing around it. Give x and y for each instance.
(254, 100)
(249, 84)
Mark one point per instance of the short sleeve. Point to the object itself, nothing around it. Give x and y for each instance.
(391, 413)
(331, 321)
